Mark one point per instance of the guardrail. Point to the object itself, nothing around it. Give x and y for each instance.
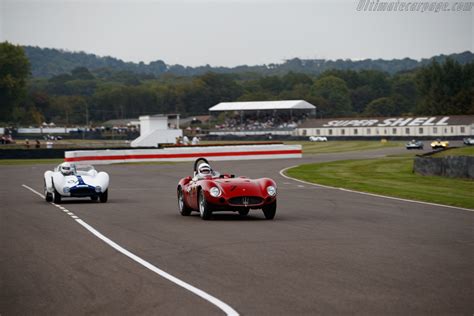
(245, 152)
(42, 153)
(32, 153)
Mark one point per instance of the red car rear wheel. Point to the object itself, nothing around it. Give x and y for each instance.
(183, 209)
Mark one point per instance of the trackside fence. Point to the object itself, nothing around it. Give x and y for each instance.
(244, 152)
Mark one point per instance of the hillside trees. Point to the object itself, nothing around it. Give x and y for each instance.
(334, 96)
(446, 89)
(84, 95)
(381, 107)
(47, 62)
(14, 71)
(404, 93)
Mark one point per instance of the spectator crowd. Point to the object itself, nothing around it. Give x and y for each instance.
(252, 121)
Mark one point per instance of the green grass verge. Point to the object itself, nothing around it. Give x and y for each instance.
(391, 176)
(332, 146)
(344, 146)
(12, 162)
(461, 151)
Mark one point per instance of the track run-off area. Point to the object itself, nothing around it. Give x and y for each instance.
(327, 251)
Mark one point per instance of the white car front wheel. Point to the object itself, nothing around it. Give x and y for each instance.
(48, 196)
(56, 197)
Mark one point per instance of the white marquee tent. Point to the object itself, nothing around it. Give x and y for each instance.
(263, 106)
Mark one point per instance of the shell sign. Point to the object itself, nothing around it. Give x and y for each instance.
(402, 121)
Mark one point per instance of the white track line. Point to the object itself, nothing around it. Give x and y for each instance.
(211, 299)
(282, 173)
(32, 190)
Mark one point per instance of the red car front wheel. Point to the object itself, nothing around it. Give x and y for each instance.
(269, 210)
(204, 209)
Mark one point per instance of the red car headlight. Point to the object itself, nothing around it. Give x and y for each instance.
(215, 192)
(271, 190)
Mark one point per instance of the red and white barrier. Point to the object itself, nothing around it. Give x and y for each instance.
(245, 152)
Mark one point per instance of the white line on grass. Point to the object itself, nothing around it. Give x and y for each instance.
(282, 173)
(211, 299)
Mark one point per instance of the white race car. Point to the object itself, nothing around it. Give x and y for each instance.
(70, 180)
(318, 139)
(468, 141)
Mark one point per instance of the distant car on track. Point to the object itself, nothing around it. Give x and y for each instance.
(414, 144)
(70, 180)
(439, 144)
(318, 139)
(207, 191)
(468, 141)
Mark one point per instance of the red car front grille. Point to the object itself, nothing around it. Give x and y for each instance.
(245, 200)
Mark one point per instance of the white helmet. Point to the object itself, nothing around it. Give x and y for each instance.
(66, 168)
(204, 169)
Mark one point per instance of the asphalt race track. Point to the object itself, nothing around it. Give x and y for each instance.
(327, 251)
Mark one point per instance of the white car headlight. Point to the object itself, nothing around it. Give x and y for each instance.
(215, 192)
(271, 190)
(66, 189)
(98, 189)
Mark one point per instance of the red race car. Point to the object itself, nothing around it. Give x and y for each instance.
(208, 191)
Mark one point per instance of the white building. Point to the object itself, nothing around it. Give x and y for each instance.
(427, 126)
(155, 130)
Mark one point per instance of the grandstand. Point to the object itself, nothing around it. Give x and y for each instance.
(261, 117)
(296, 118)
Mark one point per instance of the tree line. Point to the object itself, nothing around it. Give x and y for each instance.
(48, 62)
(84, 96)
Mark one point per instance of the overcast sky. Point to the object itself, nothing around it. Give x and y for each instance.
(230, 33)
